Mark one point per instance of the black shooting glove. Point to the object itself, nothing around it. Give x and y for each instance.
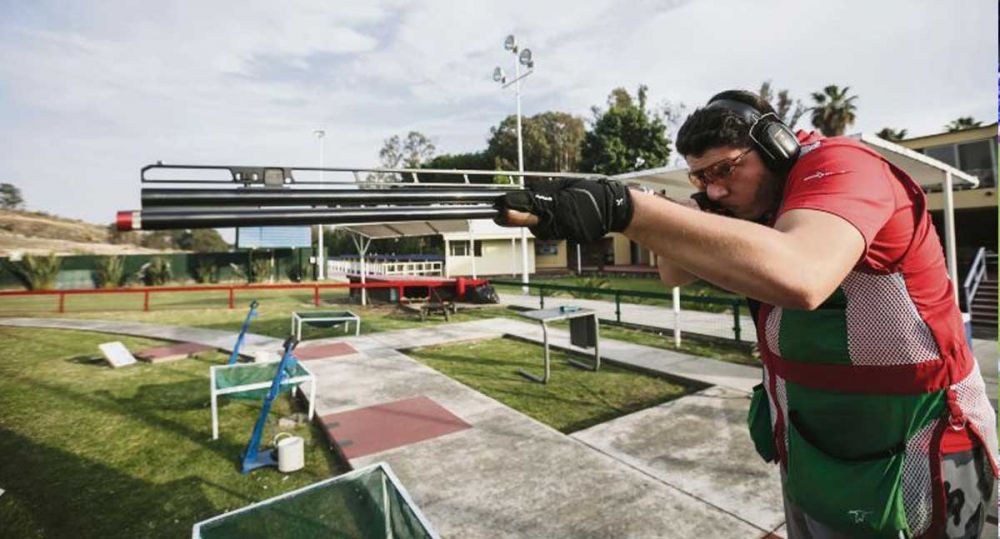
(574, 209)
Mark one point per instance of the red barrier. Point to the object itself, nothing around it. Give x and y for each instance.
(401, 285)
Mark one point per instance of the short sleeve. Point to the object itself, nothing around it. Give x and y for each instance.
(846, 182)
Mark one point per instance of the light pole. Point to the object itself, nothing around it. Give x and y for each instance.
(523, 58)
(321, 255)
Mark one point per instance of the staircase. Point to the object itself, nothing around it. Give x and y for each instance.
(984, 304)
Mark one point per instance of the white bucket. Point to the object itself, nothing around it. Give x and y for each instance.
(291, 452)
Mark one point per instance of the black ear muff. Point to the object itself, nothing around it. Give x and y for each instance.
(774, 140)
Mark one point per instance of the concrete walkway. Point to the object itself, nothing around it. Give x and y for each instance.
(512, 476)
(253, 344)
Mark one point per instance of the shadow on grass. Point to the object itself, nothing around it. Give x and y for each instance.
(58, 494)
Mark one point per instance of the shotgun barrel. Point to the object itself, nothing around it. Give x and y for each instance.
(166, 197)
(219, 218)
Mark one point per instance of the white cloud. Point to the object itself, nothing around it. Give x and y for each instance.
(89, 94)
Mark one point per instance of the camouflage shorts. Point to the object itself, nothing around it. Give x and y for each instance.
(969, 488)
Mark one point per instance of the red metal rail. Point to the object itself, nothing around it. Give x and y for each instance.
(401, 286)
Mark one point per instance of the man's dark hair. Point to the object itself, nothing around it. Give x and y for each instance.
(708, 128)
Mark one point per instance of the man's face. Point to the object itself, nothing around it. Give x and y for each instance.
(748, 191)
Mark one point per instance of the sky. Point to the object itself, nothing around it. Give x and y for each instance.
(92, 91)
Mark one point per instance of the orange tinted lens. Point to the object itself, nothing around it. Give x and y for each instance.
(697, 179)
(722, 170)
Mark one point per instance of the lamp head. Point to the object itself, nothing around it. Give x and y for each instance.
(510, 43)
(525, 58)
(498, 75)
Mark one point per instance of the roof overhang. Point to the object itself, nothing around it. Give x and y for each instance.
(407, 229)
(926, 171)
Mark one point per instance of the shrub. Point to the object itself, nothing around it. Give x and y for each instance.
(156, 272)
(205, 272)
(260, 270)
(110, 272)
(36, 272)
(591, 282)
(297, 271)
(239, 272)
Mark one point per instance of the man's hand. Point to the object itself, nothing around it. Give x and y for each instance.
(576, 209)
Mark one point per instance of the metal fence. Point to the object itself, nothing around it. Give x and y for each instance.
(212, 296)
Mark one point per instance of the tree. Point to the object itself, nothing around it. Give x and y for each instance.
(10, 197)
(409, 152)
(551, 142)
(892, 135)
(626, 137)
(789, 110)
(159, 239)
(834, 110)
(958, 124)
(201, 240)
(460, 161)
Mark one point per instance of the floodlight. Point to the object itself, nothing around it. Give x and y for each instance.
(525, 58)
(510, 43)
(498, 75)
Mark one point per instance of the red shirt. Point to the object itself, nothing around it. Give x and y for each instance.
(842, 177)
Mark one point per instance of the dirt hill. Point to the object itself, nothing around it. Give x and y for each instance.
(40, 233)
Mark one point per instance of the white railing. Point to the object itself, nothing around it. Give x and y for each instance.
(433, 268)
(976, 274)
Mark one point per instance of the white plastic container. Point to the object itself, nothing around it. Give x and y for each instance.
(291, 452)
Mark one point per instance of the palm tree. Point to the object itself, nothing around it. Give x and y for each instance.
(965, 122)
(892, 135)
(834, 110)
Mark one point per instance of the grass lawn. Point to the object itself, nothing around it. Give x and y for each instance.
(715, 350)
(574, 399)
(90, 451)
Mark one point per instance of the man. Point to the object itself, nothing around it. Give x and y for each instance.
(876, 410)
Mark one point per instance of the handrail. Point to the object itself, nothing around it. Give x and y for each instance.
(976, 274)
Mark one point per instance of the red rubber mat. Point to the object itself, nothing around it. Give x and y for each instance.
(377, 428)
(172, 352)
(324, 350)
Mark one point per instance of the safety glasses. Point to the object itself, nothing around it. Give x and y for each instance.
(719, 170)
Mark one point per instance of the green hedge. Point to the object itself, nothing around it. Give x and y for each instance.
(79, 271)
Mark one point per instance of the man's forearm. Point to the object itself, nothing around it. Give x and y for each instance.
(741, 256)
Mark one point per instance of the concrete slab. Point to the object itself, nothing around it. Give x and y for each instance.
(317, 351)
(381, 427)
(509, 475)
(518, 478)
(700, 445)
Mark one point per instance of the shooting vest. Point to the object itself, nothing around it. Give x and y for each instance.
(861, 390)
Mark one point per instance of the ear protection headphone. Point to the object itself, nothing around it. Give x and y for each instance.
(776, 142)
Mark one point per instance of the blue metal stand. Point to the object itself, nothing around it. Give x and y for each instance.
(252, 458)
(243, 331)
